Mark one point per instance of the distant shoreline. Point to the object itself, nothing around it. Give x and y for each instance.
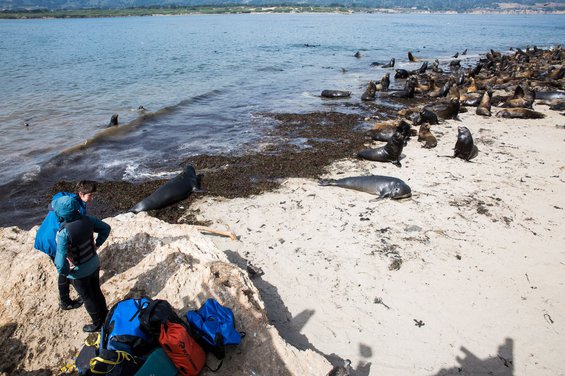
(179, 11)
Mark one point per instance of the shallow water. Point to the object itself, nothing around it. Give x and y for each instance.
(204, 79)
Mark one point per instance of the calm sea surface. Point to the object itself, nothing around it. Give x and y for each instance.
(204, 80)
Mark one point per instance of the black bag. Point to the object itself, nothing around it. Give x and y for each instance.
(88, 351)
(154, 315)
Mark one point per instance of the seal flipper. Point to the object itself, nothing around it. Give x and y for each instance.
(198, 188)
(327, 182)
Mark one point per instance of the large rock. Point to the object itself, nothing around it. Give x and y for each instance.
(142, 256)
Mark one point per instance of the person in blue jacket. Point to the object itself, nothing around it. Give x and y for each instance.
(76, 256)
(45, 238)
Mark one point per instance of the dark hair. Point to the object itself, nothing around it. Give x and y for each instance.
(86, 186)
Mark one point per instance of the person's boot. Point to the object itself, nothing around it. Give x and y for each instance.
(94, 327)
(70, 304)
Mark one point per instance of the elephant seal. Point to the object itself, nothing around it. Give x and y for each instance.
(484, 106)
(465, 147)
(424, 134)
(389, 153)
(175, 190)
(382, 186)
(335, 93)
(519, 113)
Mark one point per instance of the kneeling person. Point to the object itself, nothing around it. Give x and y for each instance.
(77, 259)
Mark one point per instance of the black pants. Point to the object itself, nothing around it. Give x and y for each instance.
(89, 290)
(64, 287)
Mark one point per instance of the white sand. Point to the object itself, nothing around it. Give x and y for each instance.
(482, 245)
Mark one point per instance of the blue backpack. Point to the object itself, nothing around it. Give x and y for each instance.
(47, 232)
(213, 327)
(122, 331)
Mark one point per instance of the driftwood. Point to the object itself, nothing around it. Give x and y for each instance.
(228, 234)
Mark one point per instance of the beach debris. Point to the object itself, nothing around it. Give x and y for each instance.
(254, 271)
(507, 362)
(229, 234)
(395, 264)
(548, 318)
(419, 323)
(380, 301)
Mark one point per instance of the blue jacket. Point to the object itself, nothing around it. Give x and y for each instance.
(68, 209)
(47, 232)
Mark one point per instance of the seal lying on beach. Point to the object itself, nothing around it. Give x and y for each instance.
(519, 113)
(465, 147)
(175, 190)
(391, 152)
(382, 186)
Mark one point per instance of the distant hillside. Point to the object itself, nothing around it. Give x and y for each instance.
(431, 5)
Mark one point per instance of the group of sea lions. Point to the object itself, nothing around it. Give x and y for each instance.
(511, 81)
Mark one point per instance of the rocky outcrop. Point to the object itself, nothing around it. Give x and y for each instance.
(143, 256)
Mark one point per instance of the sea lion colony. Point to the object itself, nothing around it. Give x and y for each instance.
(510, 82)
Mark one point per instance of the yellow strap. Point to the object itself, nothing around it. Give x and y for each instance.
(96, 343)
(69, 368)
(122, 355)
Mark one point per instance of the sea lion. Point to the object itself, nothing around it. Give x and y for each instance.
(357, 54)
(382, 186)
(520, 98)
(408, 92)
(424, 134)
(412, 58)
(386, 129)
(425, 116)
(175, 190)
(401, 73)
(369, 94)
(384, 84)
(519, 113)
(444, 110)
(113, 120)
(484, 106)
(464, 147)
(390, 64)
(335, 94)
(391, 152)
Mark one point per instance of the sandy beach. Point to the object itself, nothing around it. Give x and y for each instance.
(463, 278)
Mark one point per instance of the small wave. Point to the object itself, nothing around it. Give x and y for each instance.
(136, 172)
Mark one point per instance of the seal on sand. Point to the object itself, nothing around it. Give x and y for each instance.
(484, 105)
(464, 147)
(519, 113)
(175, 190)
(425, 135)
(382, 186)
(448, 110)
(389, 153)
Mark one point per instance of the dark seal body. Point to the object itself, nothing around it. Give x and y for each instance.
(465, 147)
(336, 94)
(175, 190)
(519, 113)
(382, 186)
(389, 153)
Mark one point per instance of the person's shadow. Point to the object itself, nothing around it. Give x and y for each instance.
(500, 365)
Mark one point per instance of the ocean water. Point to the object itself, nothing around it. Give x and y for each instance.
(204, 80)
